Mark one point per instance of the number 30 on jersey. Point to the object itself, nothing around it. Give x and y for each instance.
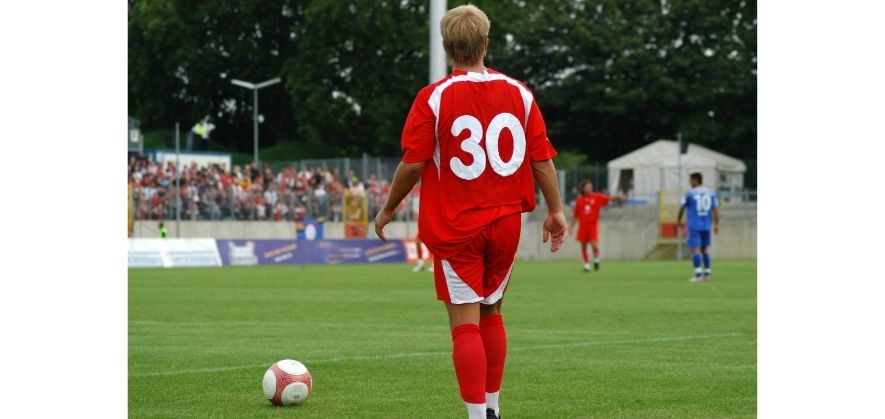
(472, 145)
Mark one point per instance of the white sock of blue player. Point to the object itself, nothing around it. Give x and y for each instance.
(696, 260)
(706, 264)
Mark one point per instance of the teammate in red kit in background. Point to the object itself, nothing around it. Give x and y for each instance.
(479, 143)
(588, 205)
(419, 247)
(422, 257)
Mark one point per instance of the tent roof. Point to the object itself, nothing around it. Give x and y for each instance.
(663, 153)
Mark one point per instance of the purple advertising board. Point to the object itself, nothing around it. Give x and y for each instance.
(274, 252)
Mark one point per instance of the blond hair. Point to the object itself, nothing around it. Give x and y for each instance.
(465, 31)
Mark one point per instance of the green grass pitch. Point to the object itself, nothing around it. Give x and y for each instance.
(635, 339)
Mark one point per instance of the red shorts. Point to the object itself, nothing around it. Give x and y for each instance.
(481, 271)
(588, 232)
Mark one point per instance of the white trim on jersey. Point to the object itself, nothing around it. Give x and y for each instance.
(436, 157)
(436, 96)
(459, 291)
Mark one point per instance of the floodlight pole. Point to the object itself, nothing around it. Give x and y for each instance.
(679, 189)
(255, 87)
(177, 184)
(437, 55)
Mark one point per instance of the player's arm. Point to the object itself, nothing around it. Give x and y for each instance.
(679, 217)
(541, 153)
(405, 178)
(417, 144)
(555, 226)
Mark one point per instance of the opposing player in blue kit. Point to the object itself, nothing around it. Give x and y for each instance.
(702, 210)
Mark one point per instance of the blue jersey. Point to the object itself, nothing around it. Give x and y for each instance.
(699, 203)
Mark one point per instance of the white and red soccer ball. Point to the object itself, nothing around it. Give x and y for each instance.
(287, 382)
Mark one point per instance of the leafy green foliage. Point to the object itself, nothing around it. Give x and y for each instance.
(610, 76)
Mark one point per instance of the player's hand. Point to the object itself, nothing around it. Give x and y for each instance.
(556, 228)
(381, 220)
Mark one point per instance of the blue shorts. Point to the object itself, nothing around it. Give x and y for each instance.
(698, 238)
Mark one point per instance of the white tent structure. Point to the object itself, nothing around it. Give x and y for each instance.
(643, 172)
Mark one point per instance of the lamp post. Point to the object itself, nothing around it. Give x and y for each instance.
(438, 65)
(177, 184)
(255, 87)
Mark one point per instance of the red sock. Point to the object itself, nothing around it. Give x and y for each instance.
(584, 254)
(470, 362)
(494, 339)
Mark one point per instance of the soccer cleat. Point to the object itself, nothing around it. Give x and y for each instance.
(595, 266)
(490, 414)
(707, 278)
(430, 269)
(696, 279)
(586, 267)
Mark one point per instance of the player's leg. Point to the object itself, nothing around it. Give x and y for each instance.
(696, 261)
(419, 249)
(593, 238)
(585, 257)
(500, 259)
(705, 257)
(705, 244)
(583, 238)
(694, 243)
(458, 281)
(469, 357)
(595, 245)
(494, 340)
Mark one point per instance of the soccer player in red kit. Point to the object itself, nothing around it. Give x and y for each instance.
(586, 213)
(419, 266)
(479, 143)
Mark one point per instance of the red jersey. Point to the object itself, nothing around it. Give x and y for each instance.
(587, 207)
(478, 132)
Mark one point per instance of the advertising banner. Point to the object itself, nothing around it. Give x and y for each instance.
(273, 252)
(173, 253)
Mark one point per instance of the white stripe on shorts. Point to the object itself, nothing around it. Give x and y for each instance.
(459, 291)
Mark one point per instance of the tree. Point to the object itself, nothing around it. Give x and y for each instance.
(359, 67)
(182, 56)
(609, 76)
(612, 76)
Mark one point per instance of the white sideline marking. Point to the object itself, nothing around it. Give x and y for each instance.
(440, 353)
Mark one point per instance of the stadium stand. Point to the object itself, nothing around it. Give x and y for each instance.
(212, 193)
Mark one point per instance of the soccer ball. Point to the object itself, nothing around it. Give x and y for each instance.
(287, 382)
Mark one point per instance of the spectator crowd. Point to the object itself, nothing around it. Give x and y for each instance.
(246, 193)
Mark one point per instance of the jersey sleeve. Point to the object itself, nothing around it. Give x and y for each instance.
(684, 200)
(538, 144)
(605, 200)
(577, 205)
(419, 132)
(714, 200)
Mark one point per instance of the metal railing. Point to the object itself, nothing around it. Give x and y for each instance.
(311, 189)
